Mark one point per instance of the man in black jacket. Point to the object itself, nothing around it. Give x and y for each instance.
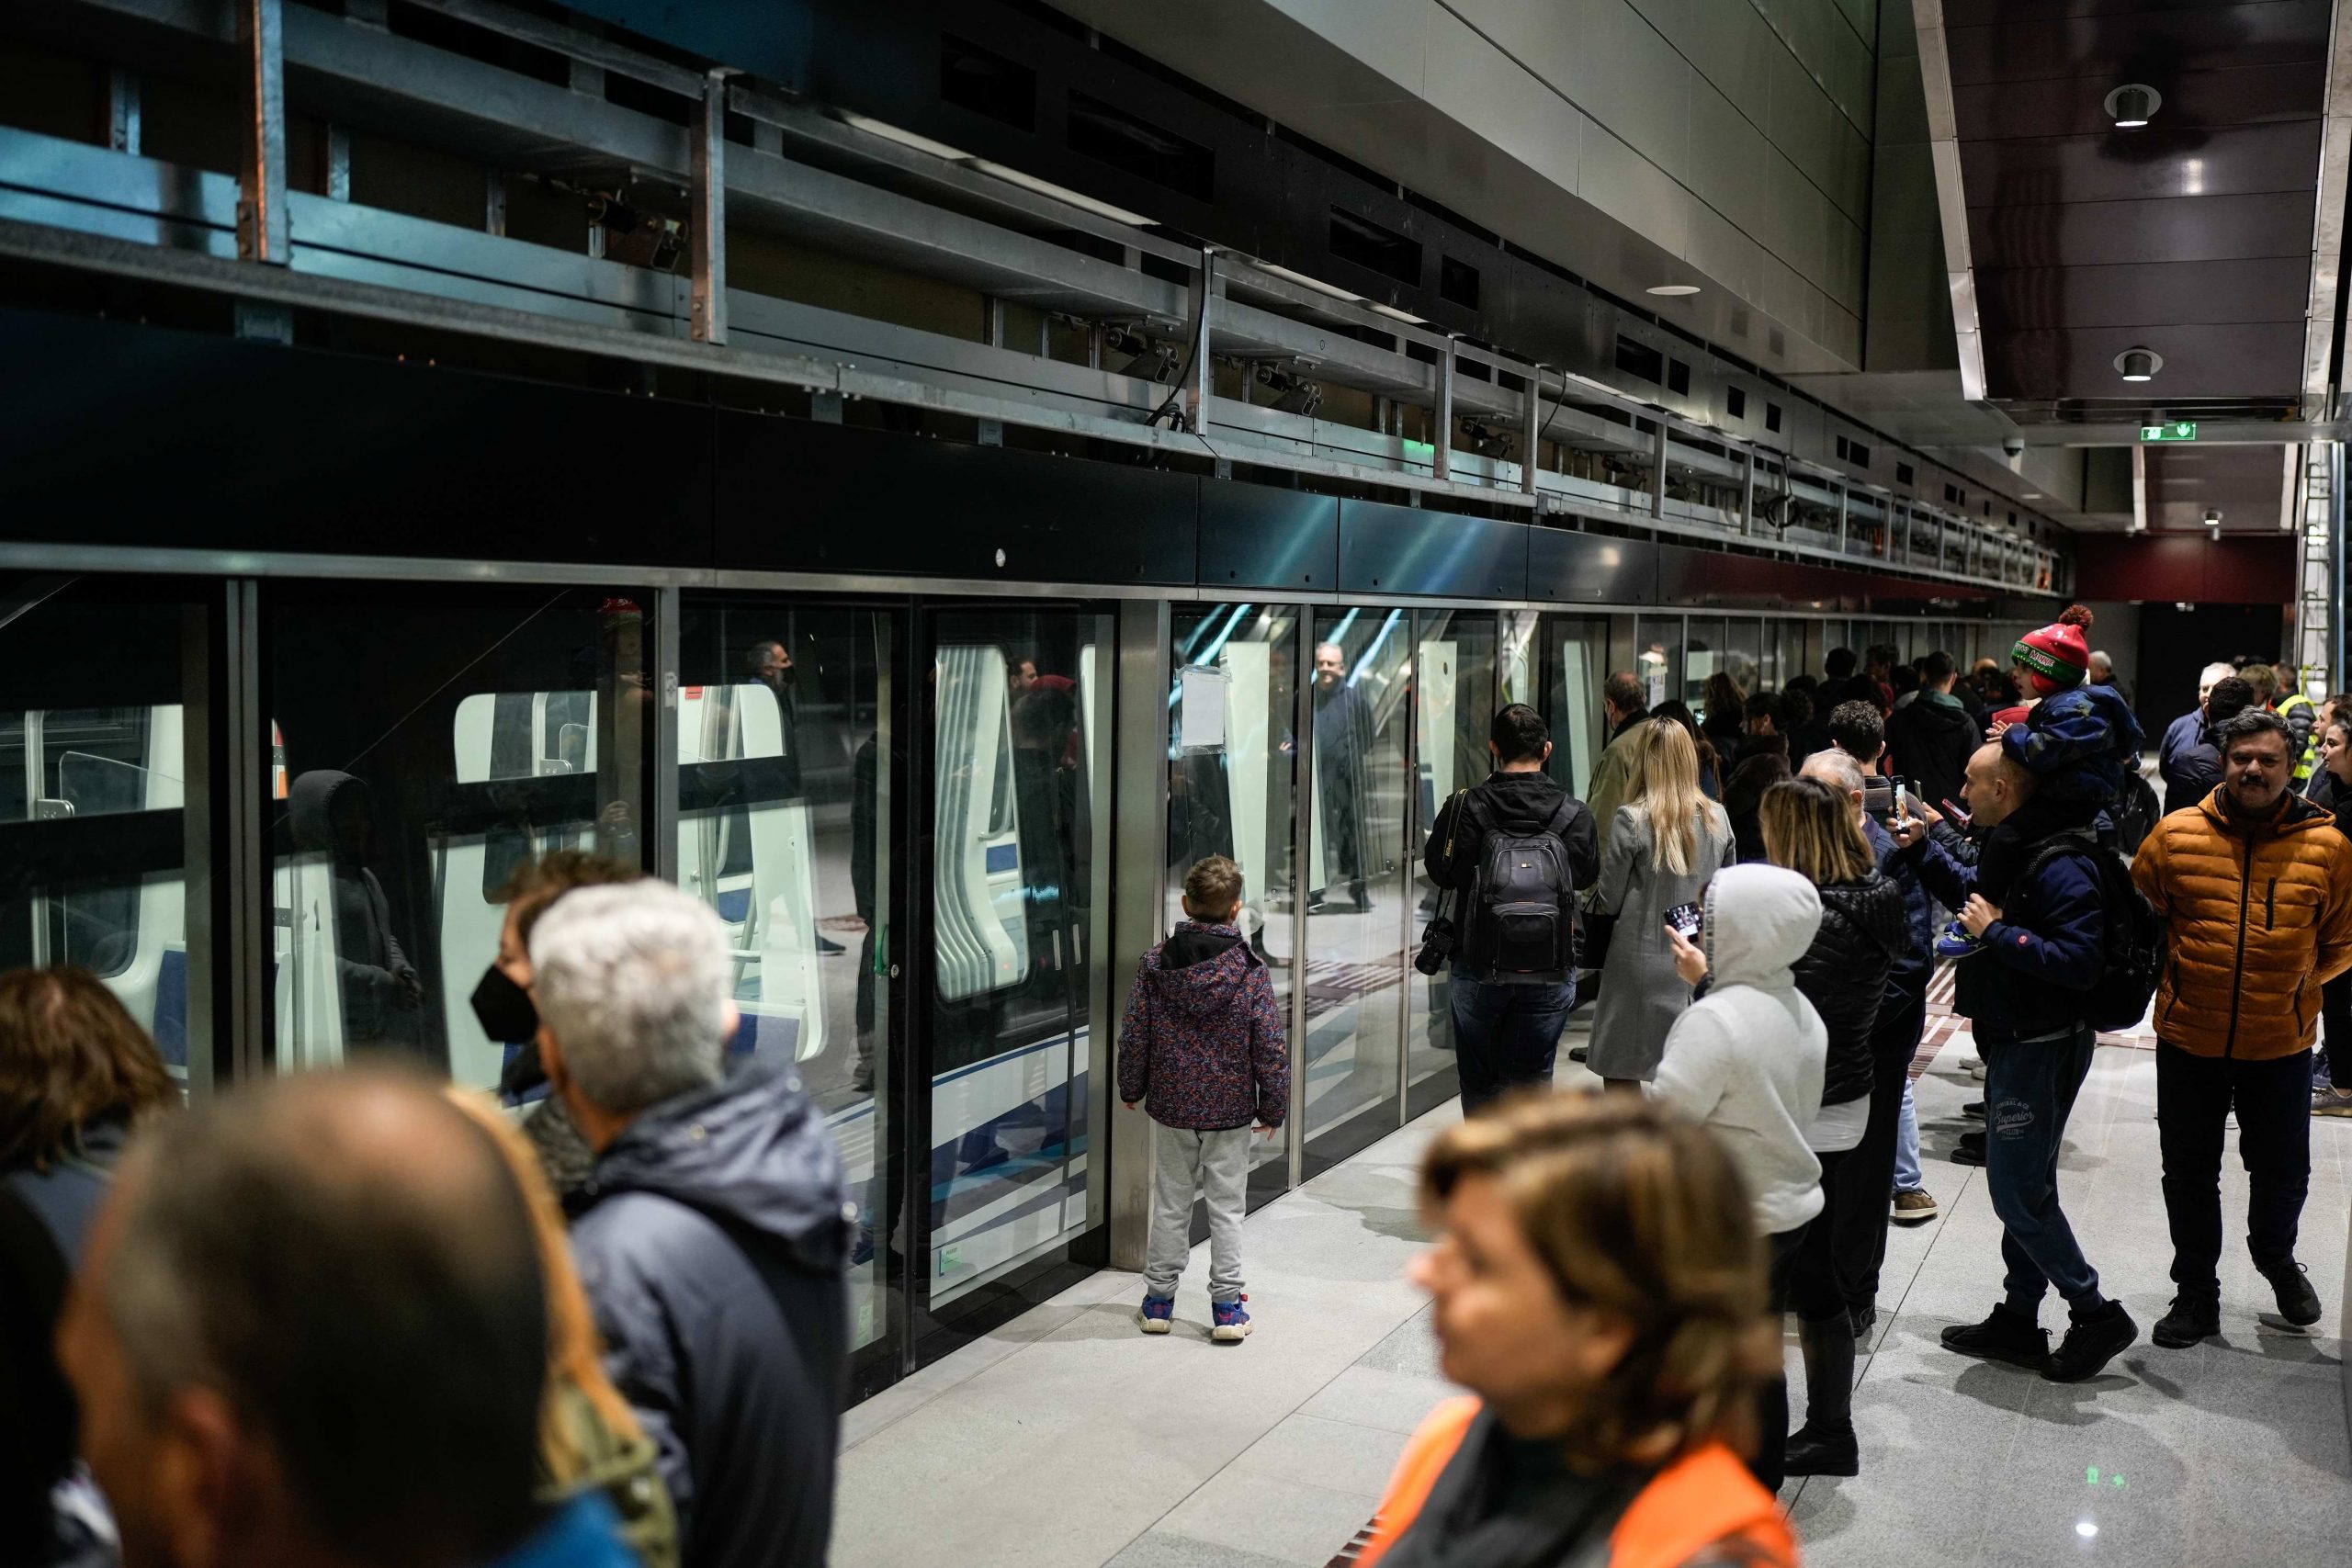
(1932, 736)
(712, 1234)
(2194, 771)
(1506, 1033)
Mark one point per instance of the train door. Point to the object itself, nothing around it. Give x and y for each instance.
(1458, 660)
(1018, 907)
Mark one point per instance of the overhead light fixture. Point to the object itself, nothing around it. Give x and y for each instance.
(2214, 518)
(904, 138)
(1304, 281)
(1393, 314)
(2133, 105)
(1079, 200)
(1674, 291)
(2138, 363)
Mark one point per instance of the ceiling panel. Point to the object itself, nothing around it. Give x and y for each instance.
(2144, 293)
(2135, 166)
(2251, 95)
(2199, 362)
(2245, 482)
(1990, 41)
(2092, 234)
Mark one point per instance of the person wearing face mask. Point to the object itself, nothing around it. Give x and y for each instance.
(503, 1005)
(1599, 1291)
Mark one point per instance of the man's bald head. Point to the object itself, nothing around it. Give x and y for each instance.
(1997, 784)
(312, 1325)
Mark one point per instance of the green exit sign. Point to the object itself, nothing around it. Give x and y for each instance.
(2178, 430)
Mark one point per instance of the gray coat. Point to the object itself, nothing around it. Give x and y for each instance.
(1640, 996)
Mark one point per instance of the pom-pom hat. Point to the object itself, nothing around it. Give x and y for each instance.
(2056, 658)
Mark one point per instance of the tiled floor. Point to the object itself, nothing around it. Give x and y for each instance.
(1069, 1440)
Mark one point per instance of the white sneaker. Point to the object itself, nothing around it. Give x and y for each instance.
(1973, 1066)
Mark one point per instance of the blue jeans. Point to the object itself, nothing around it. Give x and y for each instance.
(2029, 1088)
(1907, 1147)
(1506, 1036)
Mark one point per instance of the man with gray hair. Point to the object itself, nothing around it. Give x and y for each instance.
(2186, 733)
(713, 1230)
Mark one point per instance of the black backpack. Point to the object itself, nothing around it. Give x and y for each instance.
(1521, 920)
(2134, 813)
(2132, 947)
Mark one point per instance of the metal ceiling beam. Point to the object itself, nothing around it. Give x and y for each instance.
(1951, 200)
(2320, 366)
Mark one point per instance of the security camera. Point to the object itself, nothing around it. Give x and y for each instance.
(2014, 446)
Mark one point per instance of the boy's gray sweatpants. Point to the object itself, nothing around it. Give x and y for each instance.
(1217, 1165)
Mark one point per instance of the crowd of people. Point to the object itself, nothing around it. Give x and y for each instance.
(361, 1317)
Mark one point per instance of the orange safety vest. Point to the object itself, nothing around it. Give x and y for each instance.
(1704, 1497)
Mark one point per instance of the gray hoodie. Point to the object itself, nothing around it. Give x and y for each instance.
(1747, 1059)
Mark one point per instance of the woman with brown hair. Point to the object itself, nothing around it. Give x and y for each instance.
(76, 1075)
(1599, 1290)
(1816, 830)
(1726, 706)
(590, 1441)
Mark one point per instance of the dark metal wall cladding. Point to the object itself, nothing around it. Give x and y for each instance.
(1386, 550)
(2191, 236)
(1261, 537)
(116, 434)
(1590, 569)
(797, 496)
(2190, 569)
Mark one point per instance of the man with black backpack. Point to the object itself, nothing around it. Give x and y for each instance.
(1512, 853)
(2042, 960)
(2257, 887)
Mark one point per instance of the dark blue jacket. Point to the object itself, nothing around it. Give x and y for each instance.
(712, 1236)
(1912, 966)
(2047, 949)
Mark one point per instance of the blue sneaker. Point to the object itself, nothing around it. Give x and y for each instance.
(1954, 941)
(1232, 1321)
(1158, 1315)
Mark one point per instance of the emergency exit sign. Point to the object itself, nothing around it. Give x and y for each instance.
(2178, 430)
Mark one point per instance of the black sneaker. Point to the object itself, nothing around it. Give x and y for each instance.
(1819, 1450)
(2090, 1343)
(1579, 1052)
(1865, 1319)
(2194, 1315)
(2005, 1336)
(2297, 1302)
(1974, 1108)
(1969, 1150)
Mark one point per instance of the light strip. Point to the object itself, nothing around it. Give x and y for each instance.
(1304, 281)
(1951, 202)
(889, 132)
(2139, 488)
(2328, 217)
(1060, 193)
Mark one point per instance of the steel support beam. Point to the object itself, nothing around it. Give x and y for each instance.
(1531, 432)
(1658, 473)
(1200, 380)
(122, 126)
(1748, 492)
(709, 219)
(1442, 416)
(260, 206)
(662, 788)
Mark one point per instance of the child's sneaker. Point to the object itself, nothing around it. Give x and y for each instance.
(1955, 942)
(1231, 1324)
(1158, 1315)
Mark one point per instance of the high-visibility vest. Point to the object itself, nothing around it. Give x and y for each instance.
(2304, 763)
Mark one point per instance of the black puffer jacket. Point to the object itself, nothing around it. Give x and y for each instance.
(1865, 929)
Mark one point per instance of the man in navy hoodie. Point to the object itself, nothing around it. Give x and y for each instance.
(1203, 1048)
(2036, 913)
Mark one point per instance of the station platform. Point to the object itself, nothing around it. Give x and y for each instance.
(1068, 1439)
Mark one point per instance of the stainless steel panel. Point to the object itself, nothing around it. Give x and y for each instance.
(1388, 550)
(1570, 568)
(1258, 536)
(1139, 826)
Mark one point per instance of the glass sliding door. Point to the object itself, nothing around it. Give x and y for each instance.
(1232, 769)
(95, 677)
(1657, 658)
(1455, 679)
(786, 765)
(1359, 707)
(1020, 1048)
(429, 742)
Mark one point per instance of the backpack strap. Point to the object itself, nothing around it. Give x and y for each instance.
(1557, 823)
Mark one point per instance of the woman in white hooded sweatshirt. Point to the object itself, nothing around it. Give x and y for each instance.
(1747, 1060)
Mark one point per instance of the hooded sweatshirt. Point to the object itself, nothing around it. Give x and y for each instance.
(711, 1237)
(1202, 1043)
(1747, 1059)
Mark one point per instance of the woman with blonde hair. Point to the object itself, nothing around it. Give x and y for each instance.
(1664, 844)
(590, 1441)
(1599, 1288)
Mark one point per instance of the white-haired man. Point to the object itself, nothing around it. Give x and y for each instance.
(2186, 732)
(712, 1233)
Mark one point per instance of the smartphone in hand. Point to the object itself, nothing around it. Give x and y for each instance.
(1684, 918)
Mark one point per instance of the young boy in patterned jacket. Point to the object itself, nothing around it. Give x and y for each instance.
(1204, 1051)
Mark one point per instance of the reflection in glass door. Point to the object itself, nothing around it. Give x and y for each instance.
(1576, 651)
(1020, 875)
(1456, 659)
(1231, 705)
(1355, 879)
(784, 800)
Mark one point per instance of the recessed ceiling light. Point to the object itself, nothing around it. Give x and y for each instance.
(2138, 363)
(2133, 105)
(1674, 291)
(2214, 518)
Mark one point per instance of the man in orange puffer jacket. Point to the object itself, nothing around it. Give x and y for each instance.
(2256, 883)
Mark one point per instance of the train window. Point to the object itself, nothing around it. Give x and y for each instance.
(1233, 711)
(435, 740)
(92, 839)
(1019, 911)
